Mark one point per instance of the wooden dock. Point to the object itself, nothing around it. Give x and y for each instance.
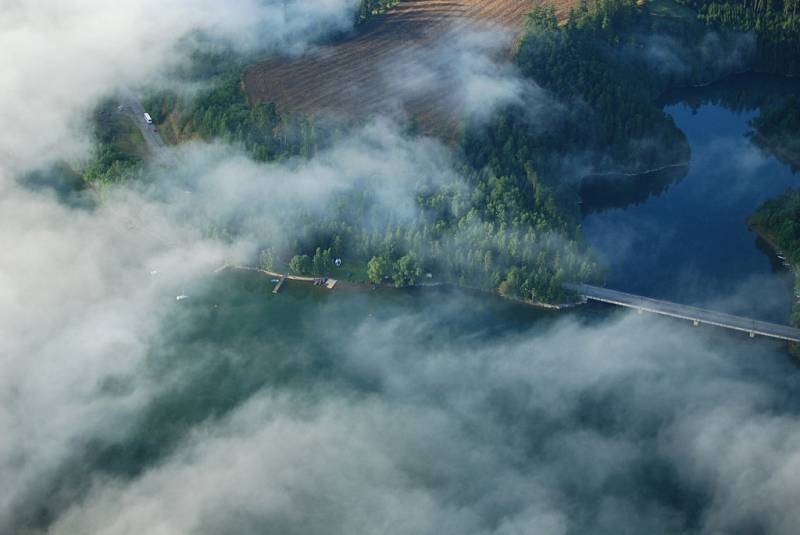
(278, 286)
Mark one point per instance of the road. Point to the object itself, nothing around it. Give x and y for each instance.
(694, 314)
(133, 108)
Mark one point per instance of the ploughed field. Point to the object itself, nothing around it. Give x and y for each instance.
(410, 59)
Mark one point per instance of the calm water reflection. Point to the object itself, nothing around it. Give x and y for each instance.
(688, 241)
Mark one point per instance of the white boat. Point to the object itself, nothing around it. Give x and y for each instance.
(181, 297)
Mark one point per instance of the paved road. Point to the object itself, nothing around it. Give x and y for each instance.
(133, 108)
(130, 106)
(695, 314)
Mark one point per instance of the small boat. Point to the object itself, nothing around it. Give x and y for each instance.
(154, 272)
(181, 297)
(274, 281)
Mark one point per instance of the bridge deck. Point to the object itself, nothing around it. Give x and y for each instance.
(695, 314)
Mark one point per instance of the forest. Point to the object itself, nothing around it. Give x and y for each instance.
(511, 222)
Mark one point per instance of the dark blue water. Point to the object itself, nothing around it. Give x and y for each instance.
(691, 243)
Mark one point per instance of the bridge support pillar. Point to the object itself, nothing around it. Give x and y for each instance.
(752, 335)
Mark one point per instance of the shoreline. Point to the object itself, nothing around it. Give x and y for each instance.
(758, 231)
(360, 286)
(794, 348)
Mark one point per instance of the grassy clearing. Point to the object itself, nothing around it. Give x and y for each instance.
(357, 271)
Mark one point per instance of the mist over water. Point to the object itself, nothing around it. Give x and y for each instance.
(442, 411)
(690, 243)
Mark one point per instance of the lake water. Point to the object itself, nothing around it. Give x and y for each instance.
(689, 242)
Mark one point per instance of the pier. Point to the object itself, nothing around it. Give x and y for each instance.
(278, 286)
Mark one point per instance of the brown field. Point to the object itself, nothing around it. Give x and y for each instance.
(379, 68)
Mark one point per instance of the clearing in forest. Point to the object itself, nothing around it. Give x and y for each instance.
(413, 58)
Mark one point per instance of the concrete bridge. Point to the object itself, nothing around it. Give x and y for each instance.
(693, 314)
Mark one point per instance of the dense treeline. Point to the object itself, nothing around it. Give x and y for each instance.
(775, 22)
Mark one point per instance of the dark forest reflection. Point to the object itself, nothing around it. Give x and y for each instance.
(738, 94)
(603, 192)
(683, 235)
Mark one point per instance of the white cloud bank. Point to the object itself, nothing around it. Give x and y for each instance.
(624, 426)
(85, 291)
(468, 71)
(459, 437)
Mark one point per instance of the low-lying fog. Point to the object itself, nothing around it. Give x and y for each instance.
(123, 412)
